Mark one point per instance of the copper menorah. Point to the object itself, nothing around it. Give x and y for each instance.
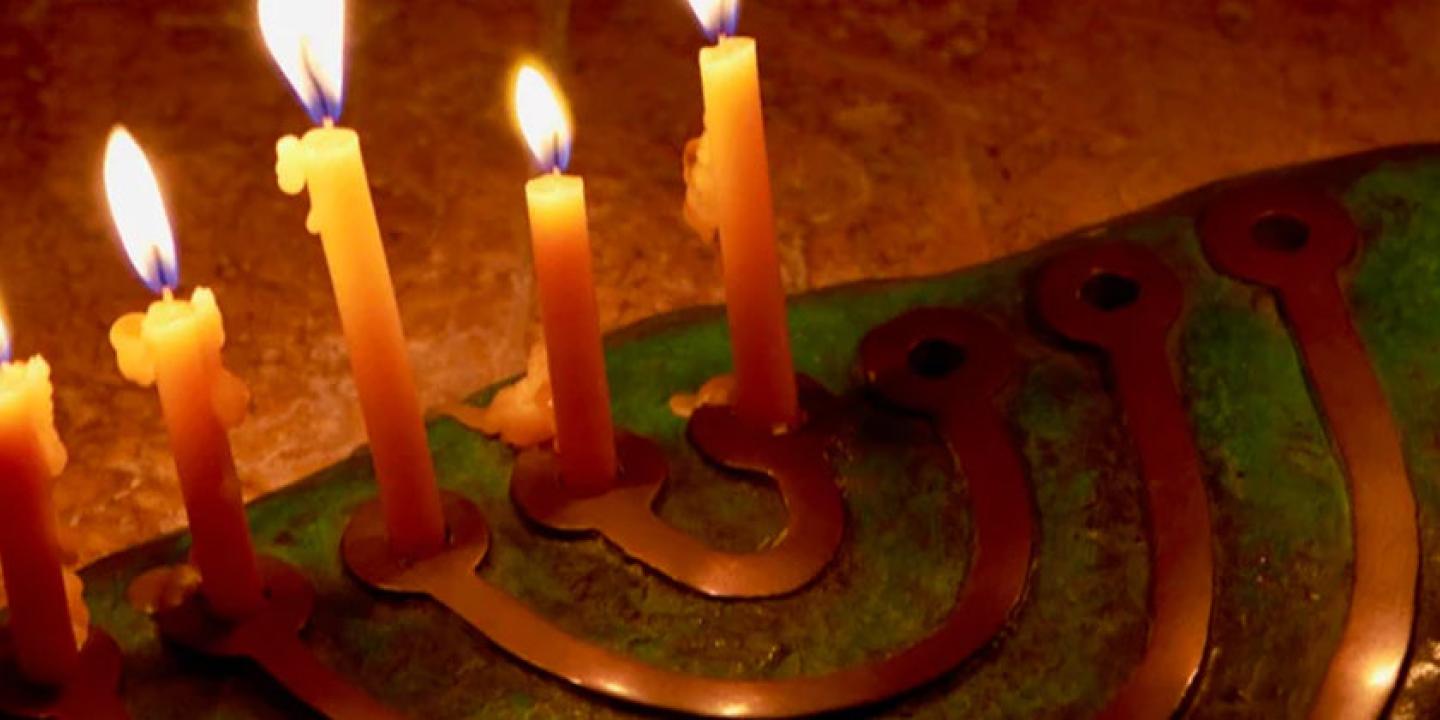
(1116, 301)
(950, 365)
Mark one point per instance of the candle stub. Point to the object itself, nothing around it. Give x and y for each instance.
(565, 283)
(732, 156)
(560, 236)
(38, 592)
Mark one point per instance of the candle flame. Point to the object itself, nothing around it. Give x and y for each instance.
(717, 18)
(138, 209)
(544, 121)
(307, 40)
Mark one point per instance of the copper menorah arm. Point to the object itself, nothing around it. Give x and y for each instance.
(98, 706)
(289, 662)
(93, 692)
(102, 662)
(270, 637)
(1125, 301)
(95, 707)
(625, 516)
(1376, 636)
(1004, 525)
(792, 562)
(1183, 567)
(1003, 516)
(1304, 274)
(540, 643)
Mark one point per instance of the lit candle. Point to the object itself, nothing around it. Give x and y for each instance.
(176, 347)
(735, 147)
(30, 455)
(307, 41)
(584, 431)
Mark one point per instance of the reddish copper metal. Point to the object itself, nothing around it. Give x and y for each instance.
(1133, 329)
(92, 694)
(1003, 513)
(271, 638)
(367, 554)
(626, 516)
(1363, 674)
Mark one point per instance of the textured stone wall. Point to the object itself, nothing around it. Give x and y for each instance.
(907, 138)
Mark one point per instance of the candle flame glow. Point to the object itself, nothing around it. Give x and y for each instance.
(307, 40)
(5, 344)
(138, 209)
(718, 18)
(544, 121)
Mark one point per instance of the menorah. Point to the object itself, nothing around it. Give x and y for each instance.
(934, 377)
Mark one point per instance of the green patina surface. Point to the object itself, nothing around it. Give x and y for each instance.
(1277, 489)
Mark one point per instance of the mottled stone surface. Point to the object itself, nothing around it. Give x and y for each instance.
(907, 138)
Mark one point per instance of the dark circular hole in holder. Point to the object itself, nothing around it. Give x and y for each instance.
(1280, 233)
(935, 358)
(1108, 292)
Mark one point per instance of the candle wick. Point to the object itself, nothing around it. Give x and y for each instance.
(162, 277)
(729, 18)
(328, 107)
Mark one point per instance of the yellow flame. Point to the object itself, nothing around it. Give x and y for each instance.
(544, 121)
(716, 16)
(307, 40)
(139, 210)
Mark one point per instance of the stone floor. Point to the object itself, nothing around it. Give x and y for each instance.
(907, 137)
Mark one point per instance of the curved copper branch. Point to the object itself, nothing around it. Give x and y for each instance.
(1294, 242)
(626, 516)
(1003, 529)
(1125, 301)
(271, 639)
(92, 694)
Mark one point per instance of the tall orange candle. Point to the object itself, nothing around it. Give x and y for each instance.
(559, 231)
(31, 454)
(765, 390)
(176, 347)
(307, 41)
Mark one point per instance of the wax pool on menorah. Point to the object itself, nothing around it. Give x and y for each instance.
(626, 359)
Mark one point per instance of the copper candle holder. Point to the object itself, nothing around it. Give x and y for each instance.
(1295, 241)
(1124, 301)
(962, 401)
(625, 516)
(92, 693)
(271, 639)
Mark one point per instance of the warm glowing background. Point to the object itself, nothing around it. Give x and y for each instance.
(904, 141)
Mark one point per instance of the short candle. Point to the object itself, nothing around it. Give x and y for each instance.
(559, 231)
(765, 391)
(175, 346)
(31, 455)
